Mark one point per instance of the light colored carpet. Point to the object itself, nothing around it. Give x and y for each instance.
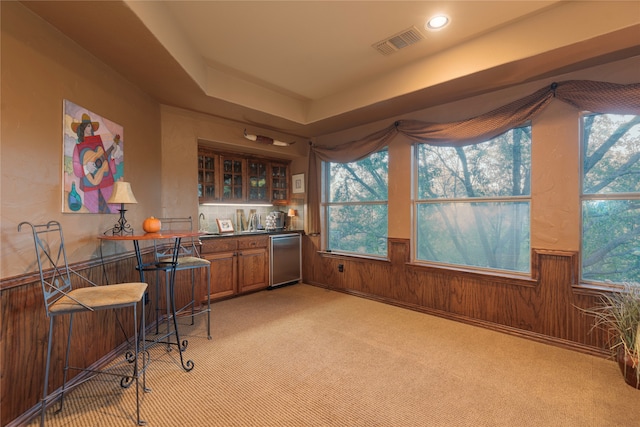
(305, 356)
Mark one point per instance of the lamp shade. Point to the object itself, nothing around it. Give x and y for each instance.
(292, 212)
(122, 193)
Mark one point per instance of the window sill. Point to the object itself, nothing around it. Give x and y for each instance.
(488, 276)
(347, 255)
(596, 289)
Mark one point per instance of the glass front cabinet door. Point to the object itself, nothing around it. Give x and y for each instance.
(279, 183)
(233, 179)
(207, 180)
(258, 183)
(238, 178)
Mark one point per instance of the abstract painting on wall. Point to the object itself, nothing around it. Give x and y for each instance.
(93, 160)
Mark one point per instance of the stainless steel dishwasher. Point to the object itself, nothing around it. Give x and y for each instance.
(286, 259)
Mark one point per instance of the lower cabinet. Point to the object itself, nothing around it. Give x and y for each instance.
(224, 273)
(238, 264)
(252, 270)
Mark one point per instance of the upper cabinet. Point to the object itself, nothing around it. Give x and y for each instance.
(258, 180)
(237, 178)
(233, 178)
(279, 183)
(207, 169)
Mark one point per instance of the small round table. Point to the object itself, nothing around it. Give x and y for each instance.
(177, 237)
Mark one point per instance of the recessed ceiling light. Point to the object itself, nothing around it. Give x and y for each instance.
(437, 22)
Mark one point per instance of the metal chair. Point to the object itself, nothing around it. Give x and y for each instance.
(188, 259)
(60, 298)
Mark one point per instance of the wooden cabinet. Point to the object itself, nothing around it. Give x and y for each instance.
(223, 274)
(233, 182)
(238, 178)
(207, 175)
(252, 270)
(279, 183)
(238, 264)
(257, 182)
(253, 263)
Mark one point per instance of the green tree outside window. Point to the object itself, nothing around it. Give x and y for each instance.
(356, 207)
(473, 203)
(610, 198)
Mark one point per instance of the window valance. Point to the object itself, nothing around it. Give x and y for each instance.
(594, 96)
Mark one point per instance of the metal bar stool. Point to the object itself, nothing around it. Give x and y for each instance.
(60, 298)
(188, 259)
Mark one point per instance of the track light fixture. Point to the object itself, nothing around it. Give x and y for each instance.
(266, 140)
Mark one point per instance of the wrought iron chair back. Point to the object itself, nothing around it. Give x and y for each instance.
(53, 267)
(187, 248)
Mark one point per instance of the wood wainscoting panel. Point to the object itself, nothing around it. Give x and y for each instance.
(402, 289)
(24, 331)
(312, 262)
(554, 296)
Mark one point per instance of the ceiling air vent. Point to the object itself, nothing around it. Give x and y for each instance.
(398, 41)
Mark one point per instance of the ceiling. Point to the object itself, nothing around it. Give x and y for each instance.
(309, 68)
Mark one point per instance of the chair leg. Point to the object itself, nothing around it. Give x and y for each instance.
(209, 302)
(145, 353)
(167, 300)
(193, 295)
(182, 345)
(157, 302)
(46, 372)
(137, 366)
(66, 363)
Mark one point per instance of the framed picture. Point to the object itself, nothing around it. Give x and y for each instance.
(224, 225)
(93, 160)
(297, 185)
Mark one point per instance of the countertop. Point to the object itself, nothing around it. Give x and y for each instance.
(210, 235)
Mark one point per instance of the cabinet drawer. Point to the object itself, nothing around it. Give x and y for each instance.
(253, 242)
(219, 244)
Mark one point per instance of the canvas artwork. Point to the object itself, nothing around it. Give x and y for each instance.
(93, 160)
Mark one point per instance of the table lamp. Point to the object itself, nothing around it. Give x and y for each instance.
(122, 194)
(291, 215)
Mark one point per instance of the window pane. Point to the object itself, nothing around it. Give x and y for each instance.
(496, 168)
(356, 212)
(486, 234)
(490, 235)
(358, 228)
(611, 222)
(361, 181)
(611, 147)
(611, 240)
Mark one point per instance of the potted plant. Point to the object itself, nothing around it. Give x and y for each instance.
(619, 315)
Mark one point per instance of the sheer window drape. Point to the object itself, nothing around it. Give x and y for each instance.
(597, 97)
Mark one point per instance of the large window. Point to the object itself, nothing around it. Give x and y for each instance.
(610, 198)
(473, 202)
(356, 205)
